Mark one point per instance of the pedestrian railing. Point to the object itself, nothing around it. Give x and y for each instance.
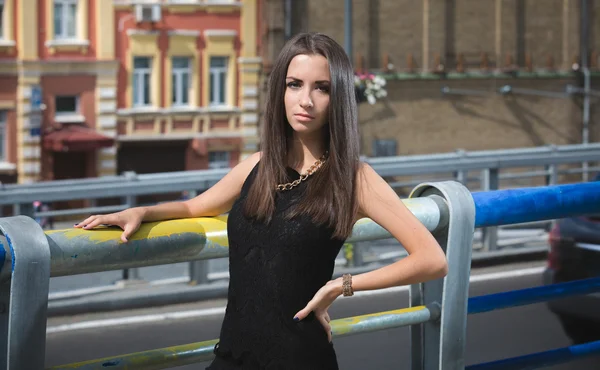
(478, 170)
(438, 310)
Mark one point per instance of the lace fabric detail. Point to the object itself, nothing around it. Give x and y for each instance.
(275, 270)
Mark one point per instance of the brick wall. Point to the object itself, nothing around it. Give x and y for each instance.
(416, 114)
(538, 28)
(422, 120)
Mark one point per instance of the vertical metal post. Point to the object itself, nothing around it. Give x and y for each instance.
(490, 234)
(24, 297)
(416, 291)
(416, 331)
(288, 19)
(199, 272)
(131, 201)
(521, 20)
(461, 176)
(442, 343)
(585, 45)
(23, 209)
(357, 255)
(552, 176)
(199, 269)
(348, 29)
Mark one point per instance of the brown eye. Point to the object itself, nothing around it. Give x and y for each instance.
(323, 88)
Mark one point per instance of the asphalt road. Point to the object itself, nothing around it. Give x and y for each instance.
(490, 336)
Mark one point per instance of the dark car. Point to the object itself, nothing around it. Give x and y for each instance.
(575, 255)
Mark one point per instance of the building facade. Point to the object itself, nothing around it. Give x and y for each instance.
(93, 88)
(57, 90)
(187, 84)
(474, 48)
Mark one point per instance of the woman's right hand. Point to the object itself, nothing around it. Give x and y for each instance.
(129, 220)
(213, 202)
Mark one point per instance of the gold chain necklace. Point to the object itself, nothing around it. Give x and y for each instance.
(304, 176)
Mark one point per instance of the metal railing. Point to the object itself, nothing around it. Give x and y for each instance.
(439, 309)
(459, 164)
(478, 170)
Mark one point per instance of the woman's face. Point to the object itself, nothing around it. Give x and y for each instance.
(307, 93)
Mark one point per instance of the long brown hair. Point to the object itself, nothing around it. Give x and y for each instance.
(330, 195)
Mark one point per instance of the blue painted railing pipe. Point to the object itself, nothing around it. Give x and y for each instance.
(541, 359)
(505, 207)
(528, 296)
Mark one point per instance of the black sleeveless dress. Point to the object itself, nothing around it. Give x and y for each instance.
(275, 270)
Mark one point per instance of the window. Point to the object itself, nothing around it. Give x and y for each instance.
(141, 81)
(218, 160)
(65, 19)
(1, 19)
(66, 105)
(181, 80)
(384, 148)
(2, 136)
(218, 80)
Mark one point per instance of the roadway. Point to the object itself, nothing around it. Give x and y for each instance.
(490, 336)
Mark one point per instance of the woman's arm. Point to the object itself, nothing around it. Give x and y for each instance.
(425, 261)
(213, 202)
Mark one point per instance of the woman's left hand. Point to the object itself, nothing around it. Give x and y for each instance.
(320, 304)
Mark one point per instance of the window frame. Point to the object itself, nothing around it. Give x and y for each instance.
(2, 22)
(3, 135)
(77, 106)
(138, 71)
(386, 143)
(64, 34)
(220, 163)
(178, 74)
(221, 74)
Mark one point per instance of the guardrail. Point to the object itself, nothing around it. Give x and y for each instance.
(458, 163)
(438, 313)
(489, 167)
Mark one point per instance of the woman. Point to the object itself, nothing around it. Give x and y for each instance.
(291, 207)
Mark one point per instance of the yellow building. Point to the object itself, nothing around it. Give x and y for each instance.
(100, 87)
(57, 89)
(188, 86)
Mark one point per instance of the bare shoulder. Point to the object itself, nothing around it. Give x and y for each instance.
(251, 161)
(367, 179)
(365, 176)
(373, 192)
(219, 198)
(241, 171)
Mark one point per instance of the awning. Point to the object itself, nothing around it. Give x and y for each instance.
(76, 138)
(202, 145)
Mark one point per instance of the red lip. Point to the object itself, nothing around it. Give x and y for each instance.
(304, 115)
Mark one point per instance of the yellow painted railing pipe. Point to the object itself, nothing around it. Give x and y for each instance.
(186, 354)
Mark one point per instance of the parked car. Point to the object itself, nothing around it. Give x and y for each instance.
(575, 255)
